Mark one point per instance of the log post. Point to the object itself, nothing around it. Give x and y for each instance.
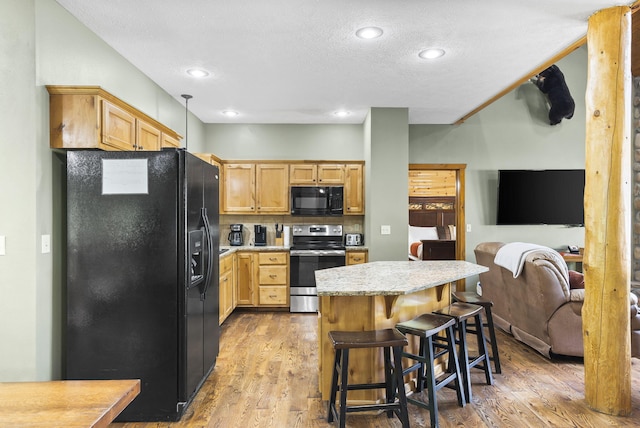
(605, 314)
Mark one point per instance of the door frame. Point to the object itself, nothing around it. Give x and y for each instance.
(461, 228)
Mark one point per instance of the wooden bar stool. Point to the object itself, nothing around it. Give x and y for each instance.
(461, 312)
(389, 339)
(476, 299)
(429, 327)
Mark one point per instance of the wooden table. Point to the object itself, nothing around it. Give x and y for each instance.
(573, 260)
(71, 403)
(374, 296)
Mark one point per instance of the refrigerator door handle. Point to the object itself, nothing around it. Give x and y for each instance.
(207, 231)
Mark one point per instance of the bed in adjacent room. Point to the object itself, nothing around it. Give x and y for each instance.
(432, 229)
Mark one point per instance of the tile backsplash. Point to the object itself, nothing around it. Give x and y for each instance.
(350, 224)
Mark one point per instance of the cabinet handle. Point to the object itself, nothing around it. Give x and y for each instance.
(273, 296)
(273, 276)
(357, 259)
(273, 259)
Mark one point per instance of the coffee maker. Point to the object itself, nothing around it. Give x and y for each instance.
(235, 236)
(260, 235)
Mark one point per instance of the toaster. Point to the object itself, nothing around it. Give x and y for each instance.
(353, 239)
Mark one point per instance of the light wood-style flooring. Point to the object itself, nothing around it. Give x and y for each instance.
(266, 376)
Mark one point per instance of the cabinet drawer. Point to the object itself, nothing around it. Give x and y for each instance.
(226, 263)
(273, 275)
(273, 295)
(356, 257)
(272, 258)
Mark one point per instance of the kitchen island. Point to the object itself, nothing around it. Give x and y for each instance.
(378, 295)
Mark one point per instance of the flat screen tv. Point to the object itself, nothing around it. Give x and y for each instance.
(552, 196)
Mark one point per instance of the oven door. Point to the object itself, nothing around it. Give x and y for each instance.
(303, 264)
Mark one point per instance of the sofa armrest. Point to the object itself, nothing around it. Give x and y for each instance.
(576, 295)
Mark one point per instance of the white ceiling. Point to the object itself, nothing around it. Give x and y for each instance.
(298, 61)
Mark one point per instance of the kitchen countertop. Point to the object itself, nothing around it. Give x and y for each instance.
(392, 278)
(266, 248)
(234, 249)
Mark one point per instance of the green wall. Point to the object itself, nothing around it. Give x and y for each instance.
(512, 133)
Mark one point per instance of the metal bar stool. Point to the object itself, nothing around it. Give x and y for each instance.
(389, 339)
(476, 299)
(461, 312)
(429, 327)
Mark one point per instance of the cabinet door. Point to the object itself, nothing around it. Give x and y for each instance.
(272, 188)
(118, 128)
(354, 191)
(356, 257)
(148, 137)
(169, 141)
(330, 174)
(75, 121)
(246, 280)
(302, 174)
(226, 296)
(239, 187)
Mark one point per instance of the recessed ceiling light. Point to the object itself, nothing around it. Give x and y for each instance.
(230, 113)
(197, 72)
(341, 113)
(369, 32)
(431, 53)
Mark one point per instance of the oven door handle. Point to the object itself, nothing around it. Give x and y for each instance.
(315, 253)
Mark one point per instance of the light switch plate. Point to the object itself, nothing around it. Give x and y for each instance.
(46, 244)
(385, 229)
(3, 245)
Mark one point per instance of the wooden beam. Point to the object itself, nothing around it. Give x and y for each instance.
(605, 314)
(635, 39)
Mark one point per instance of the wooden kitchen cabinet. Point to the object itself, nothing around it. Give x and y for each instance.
(354, 190)
(239, 183)
(169, 141)
(246, 279)
(330, 174)
(118, 127)
(272, 188)
(273, 279)
(227, 302)
(303, 174)
(311, 174)
(88, 117)
(148, 137)
(356, 257)
(255, 188)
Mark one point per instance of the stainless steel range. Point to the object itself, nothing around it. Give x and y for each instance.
(314, 247)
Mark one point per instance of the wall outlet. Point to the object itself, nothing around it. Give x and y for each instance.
(385, 229)
(46, 244)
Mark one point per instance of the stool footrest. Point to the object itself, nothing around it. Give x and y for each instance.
(366, 386)
(367, 407)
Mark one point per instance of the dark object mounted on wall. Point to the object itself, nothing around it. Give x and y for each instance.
(551, 82)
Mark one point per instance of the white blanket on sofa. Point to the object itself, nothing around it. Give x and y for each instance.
(511, 256)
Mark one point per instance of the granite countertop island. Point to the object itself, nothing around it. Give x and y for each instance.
(378, 295)
(392, 278)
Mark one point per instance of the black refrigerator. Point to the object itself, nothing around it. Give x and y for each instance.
(142, 274)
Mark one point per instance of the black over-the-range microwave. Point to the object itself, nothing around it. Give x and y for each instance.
(316, 201)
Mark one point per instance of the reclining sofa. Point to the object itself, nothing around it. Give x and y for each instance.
(539, 307)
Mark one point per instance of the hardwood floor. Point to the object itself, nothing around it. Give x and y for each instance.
(266, 376)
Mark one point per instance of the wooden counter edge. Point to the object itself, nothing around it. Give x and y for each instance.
(120, 404)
